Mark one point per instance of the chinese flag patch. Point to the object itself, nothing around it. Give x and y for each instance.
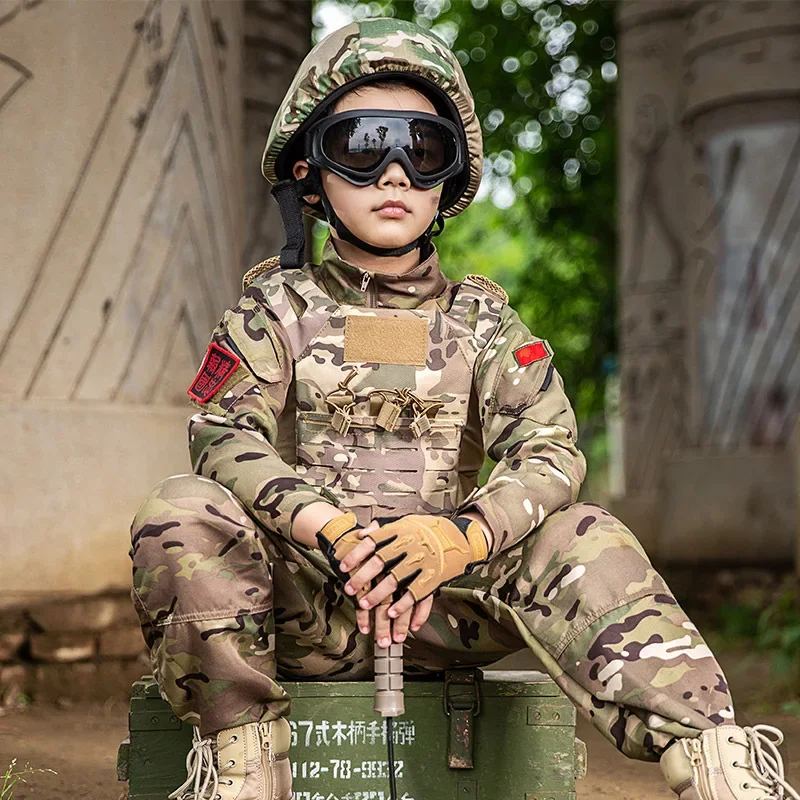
(529, 353)
(217, 366)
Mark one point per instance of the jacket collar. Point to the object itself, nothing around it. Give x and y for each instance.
(349, 284)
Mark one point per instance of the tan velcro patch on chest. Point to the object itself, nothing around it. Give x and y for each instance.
(386, 340)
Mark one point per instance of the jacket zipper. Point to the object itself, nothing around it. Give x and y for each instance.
(365, 282)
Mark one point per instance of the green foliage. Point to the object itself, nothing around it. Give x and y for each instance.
(779, 630)
(791, 707)
(768, 623)
(737, 621)
(543, 78)
(14, 775)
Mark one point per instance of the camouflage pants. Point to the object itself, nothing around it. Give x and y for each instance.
(226, 607)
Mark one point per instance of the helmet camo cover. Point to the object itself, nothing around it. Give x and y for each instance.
(380, 47)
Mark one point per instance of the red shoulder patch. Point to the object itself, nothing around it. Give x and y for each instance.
(217, 366)
(528, 353)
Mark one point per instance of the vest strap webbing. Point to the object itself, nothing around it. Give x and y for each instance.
(300, 328)
(488, 311)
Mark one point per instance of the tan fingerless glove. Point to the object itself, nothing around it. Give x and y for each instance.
(337, 538)
(422, 551)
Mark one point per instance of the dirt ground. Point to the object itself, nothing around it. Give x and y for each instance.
(80, 744)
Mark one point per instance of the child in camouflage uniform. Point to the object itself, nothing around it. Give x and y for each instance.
(344, 410)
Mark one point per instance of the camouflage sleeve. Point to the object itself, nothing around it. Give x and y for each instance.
(529, 429)
(232, 438)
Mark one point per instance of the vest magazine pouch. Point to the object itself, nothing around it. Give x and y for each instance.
(398, 452)
(388, 415)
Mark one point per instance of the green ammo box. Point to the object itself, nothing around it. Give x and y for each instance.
(476, 735)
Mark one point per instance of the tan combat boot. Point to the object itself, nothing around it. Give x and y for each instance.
(728, 763)
(249, 762)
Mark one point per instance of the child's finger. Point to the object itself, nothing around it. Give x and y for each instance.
(383, 590)
(383, 626)
(359, 553)
(402, 605)
(400, 626)
(364, 575)
(362, 620)
(368, 529)
(421, 613)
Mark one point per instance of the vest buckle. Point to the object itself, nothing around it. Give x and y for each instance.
(342, 420)
(385, 409)
(388, 415)
(420, 425)
(425, 410)
(342, 400)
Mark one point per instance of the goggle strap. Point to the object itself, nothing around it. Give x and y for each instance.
(438, 221)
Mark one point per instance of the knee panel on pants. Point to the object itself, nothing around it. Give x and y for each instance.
(581, 563)
(191, 506)
(196, 554)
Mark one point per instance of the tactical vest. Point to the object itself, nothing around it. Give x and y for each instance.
(382, 396)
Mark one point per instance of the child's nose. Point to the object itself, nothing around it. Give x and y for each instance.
(394, 174)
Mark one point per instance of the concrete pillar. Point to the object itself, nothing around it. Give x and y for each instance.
(123, 237)
(277, 38)
(728, 264)
(651, 315)
(742, 117)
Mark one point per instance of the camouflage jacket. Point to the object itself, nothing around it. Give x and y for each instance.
(281, 425)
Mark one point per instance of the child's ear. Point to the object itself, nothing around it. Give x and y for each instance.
(300, 170)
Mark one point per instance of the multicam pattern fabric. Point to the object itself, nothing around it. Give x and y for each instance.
(277, 451)
(378, 471)
(228, 602)
(378, 46)
(227, 606)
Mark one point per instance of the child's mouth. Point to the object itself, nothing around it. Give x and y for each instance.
(392, 212)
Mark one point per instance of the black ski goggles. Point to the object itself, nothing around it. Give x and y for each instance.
(358, 145)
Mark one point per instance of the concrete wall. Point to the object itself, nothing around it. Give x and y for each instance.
(709, 273)
(131, 204)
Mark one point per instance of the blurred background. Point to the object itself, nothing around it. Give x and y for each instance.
(640, 204)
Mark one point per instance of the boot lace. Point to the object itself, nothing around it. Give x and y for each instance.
(201, 771)
(767, 762)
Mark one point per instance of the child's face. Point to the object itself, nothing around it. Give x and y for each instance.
(358, 207)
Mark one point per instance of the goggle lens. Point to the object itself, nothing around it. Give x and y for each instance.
(361, 143)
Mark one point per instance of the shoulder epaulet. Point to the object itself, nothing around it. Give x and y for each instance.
(260, 269)
(488, 285)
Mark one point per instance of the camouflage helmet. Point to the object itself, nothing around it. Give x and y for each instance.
(375, 49)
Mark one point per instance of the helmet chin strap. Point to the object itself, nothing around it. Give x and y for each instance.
(423, 241)
(288, 194)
